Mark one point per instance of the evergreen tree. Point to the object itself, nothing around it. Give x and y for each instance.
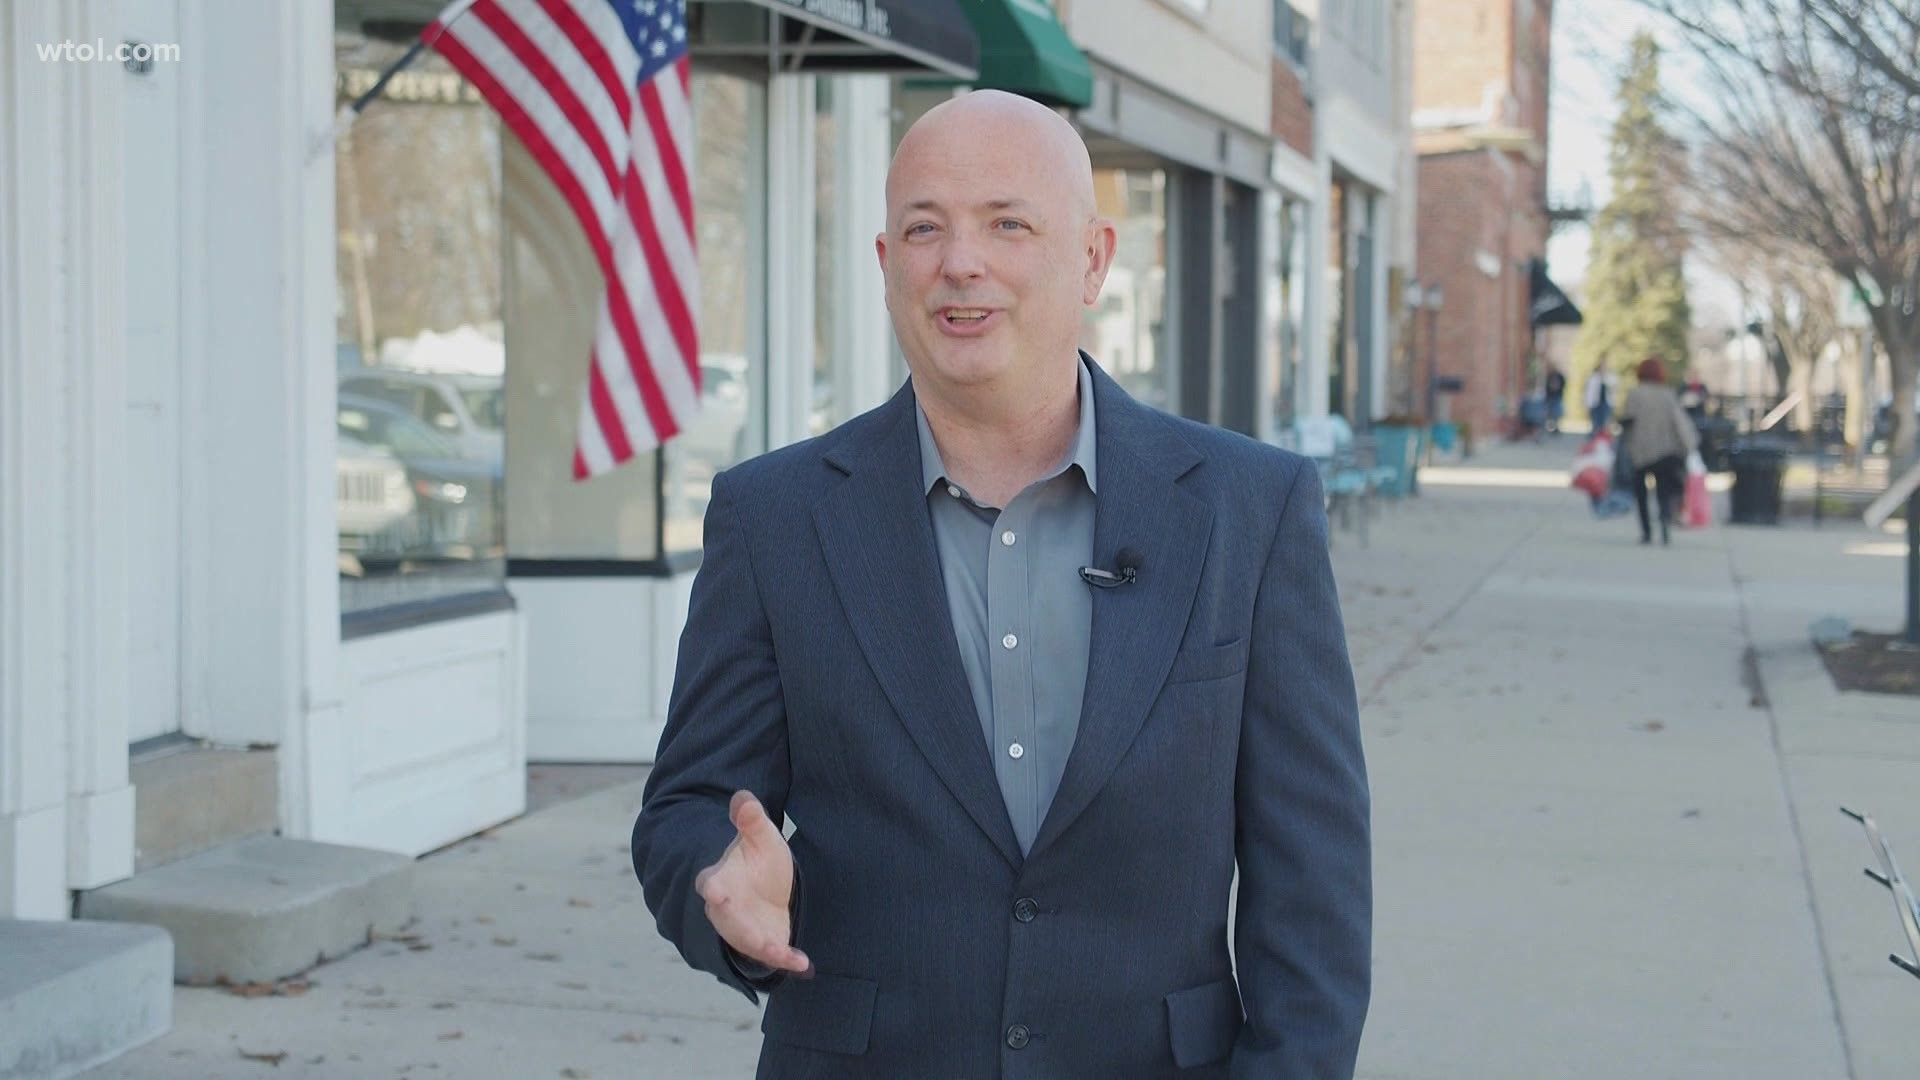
(1636, 291)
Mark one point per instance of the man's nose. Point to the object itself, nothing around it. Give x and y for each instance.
(961, 260)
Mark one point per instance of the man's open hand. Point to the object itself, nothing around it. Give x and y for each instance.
(748, 890)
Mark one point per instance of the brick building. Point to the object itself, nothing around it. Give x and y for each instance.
(1481, 78)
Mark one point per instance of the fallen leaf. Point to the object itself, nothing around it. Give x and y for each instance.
(444, 1005)
(1653, 725)
(419, 946)
(506, 942)
(483, 920)
(274, 1059)
(546, 957)
(452, 1035)
(630, 1037)
(571, 985)
(575, 1074)
(575, 901)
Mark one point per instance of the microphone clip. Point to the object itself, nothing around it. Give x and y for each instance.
(1106, 579)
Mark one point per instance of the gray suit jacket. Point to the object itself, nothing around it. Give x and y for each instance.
(818, 669)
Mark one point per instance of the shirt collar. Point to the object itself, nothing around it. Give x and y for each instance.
(933, 470)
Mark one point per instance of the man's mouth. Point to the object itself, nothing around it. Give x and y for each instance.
(964, 316)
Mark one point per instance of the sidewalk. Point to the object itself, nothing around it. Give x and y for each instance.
(1596, 856)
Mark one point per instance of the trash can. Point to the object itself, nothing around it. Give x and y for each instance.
(1716, 443)
(1759, 468)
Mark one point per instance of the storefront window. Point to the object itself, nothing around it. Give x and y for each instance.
(729, 206)
(653, 505)
(1287, 303)
(419, 472)
(1125, 330)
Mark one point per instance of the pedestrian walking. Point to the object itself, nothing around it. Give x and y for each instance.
(1602, 392)
(1556, 387)
(1658, 438)
(1033, 668)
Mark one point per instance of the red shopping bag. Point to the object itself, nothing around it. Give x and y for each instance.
(1593, 465)
(1697, 511)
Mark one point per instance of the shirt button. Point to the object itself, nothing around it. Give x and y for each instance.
(1009, 641)
(1018, 1036)
(1007, 538)
(953, 491)
(1016, 751)
(1024, 909)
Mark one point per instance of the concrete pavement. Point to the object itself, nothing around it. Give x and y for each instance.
(1600, 851)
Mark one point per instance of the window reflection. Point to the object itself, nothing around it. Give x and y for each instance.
(419, 470)
(729, 212)
(1125, 328)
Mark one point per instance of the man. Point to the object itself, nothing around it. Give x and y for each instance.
(1017, 788)
(1603, 389)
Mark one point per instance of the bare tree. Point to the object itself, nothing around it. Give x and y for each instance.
(1806, 148)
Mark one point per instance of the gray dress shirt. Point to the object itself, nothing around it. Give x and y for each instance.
(1021, 613)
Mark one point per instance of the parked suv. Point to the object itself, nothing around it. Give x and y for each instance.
(468, 409)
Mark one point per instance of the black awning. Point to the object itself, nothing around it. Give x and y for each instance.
(1549, 306)
(840, 35)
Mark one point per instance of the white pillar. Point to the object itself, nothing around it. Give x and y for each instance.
(262, 609)
(66, 811)
(791, 234)
(99, 797)
(862, 107)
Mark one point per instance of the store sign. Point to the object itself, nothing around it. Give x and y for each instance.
(411, 87)
(866, 16)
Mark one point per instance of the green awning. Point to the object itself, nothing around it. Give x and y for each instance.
(1025, 50)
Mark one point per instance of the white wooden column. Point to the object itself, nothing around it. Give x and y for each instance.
(99, 797)
(66, 810)
(863, 336)
(791, 233)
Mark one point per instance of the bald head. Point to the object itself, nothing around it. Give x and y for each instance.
(998, 135)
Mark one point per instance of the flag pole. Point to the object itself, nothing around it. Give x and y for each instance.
(343, 120)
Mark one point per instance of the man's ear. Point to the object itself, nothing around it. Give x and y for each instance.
(1102, 240)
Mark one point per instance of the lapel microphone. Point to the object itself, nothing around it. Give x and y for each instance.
(1127, 564)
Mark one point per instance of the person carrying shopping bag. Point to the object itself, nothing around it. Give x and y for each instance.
(1659, 437)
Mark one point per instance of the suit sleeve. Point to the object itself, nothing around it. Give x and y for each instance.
(726, 731)
(1303, 931)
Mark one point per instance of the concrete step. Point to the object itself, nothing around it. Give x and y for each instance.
(76, 994)
(265, 908)
(190, 798)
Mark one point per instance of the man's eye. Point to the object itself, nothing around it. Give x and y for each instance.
(920, 229)
(1003, 224)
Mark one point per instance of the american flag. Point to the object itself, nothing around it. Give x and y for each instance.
(598, 91)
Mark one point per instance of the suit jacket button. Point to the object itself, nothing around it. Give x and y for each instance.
(1025, 909)
(1018, 1035)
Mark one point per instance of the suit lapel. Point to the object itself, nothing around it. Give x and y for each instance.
(1136, 628)
(879, 548)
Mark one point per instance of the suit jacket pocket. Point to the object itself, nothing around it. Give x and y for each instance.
(1203, 1023)
(833, 1013)
(1210, 662)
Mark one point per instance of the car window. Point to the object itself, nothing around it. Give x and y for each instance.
(402, 436)
(488, 406)
(439, 411)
